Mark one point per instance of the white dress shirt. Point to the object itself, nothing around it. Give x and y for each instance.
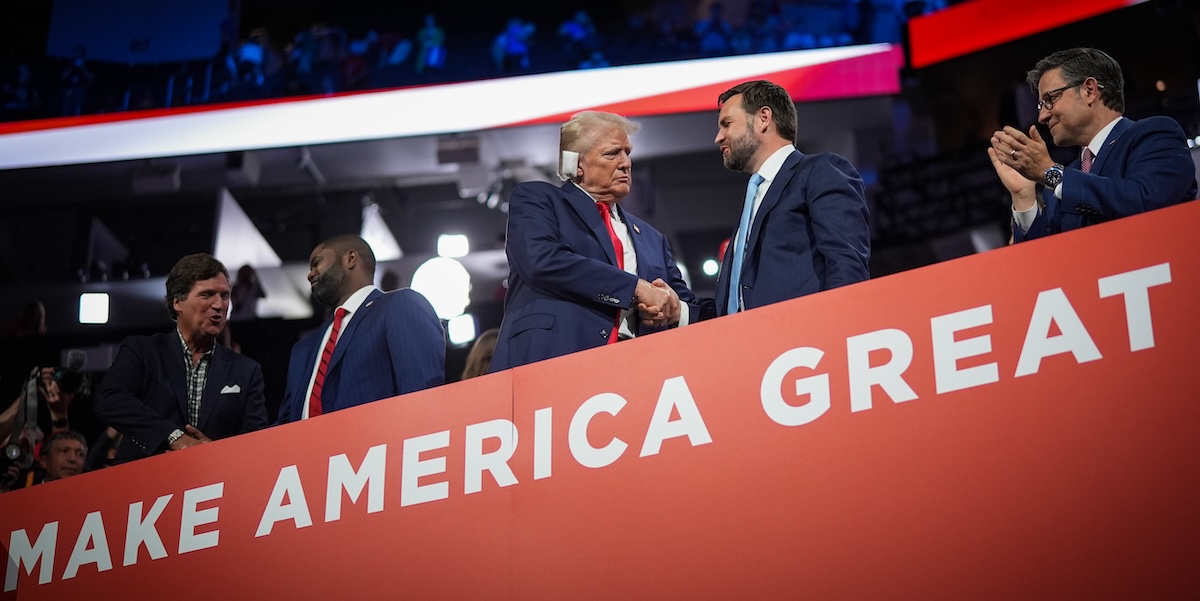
(351, 305)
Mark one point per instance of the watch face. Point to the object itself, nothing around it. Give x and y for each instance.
(1053, 176)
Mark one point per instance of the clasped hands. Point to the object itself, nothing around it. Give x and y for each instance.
(657, 303)
(1021, 162)
(191, 438)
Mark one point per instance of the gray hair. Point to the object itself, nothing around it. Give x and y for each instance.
(584, 129)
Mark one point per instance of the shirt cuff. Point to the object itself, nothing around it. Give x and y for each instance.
(1024, 219)
(685, 311)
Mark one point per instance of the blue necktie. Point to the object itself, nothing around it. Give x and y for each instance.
(739, 246)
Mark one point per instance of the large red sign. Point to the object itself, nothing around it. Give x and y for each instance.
(1017, 424)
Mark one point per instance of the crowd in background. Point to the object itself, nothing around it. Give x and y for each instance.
(255, 61)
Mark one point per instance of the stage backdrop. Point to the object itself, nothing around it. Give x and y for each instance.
(1018, 424)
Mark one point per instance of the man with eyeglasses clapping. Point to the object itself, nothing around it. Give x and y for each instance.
(1125, 167)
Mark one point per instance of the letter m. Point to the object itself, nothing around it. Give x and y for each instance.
(21, 552)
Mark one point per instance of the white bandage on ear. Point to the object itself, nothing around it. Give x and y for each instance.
(570, 164)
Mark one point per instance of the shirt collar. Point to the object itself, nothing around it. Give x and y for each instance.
(770, 167)
(188, 351)
(356, 300)
(1097, 142)
(614, 206)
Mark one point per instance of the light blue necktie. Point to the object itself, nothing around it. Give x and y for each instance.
(739, 246)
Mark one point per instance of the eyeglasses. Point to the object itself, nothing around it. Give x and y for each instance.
(1049, 98)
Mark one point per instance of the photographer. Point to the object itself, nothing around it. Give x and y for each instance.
(60, 456)
(18, 423)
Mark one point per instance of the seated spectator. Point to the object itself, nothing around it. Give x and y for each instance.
(579, 38)
(595, 61)
(393, 49)
(432, 42)
(76, 79)
(20, 97)
(251, 56)
(510, 51)
(713, 33)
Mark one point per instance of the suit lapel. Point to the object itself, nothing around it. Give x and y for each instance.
(635, 237)
(218, 373)
(172, 356)
(585, 207)
(347, 333)
(774, 193)
(1106, 150)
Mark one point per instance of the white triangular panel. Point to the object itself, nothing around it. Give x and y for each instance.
(238, 241)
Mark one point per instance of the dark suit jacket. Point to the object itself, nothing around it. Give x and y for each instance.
(393, 345)
(810, 234)
(564, 286)
(144, 397)
(1144, 165)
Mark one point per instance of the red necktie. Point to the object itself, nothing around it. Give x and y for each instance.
(1086, 164)
(314, 400)
(619, 249)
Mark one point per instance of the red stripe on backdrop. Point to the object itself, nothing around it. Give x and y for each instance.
(870, 75)
(981, 24)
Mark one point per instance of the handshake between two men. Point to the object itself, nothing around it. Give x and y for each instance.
(657, 303)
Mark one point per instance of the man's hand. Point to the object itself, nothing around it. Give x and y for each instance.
(658, 304)
(56, 400)
(184, 442)
(651, 304)
(191, 438)
(1020, 161)
(1027, 155)
(195, 432)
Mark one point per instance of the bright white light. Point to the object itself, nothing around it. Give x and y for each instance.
(375, 231)
(711, 267)
(93, 307)
(446, 283)
(453, 245)
(461, 328)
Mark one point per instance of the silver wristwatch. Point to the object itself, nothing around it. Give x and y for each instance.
(173, 436)
(1053, 176)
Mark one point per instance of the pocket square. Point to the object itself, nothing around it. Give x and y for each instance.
(231, 389)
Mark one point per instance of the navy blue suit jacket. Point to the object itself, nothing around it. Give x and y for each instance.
(1144, 165)
(144, 395)
(564, 286)
(393, 345)
(810, 234)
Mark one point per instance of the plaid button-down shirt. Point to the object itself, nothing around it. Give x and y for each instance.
(197, 376)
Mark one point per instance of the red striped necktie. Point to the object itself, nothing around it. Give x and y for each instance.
(1085, 165)
(314, 400)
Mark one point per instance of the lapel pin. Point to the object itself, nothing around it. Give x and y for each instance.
(636, 228)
